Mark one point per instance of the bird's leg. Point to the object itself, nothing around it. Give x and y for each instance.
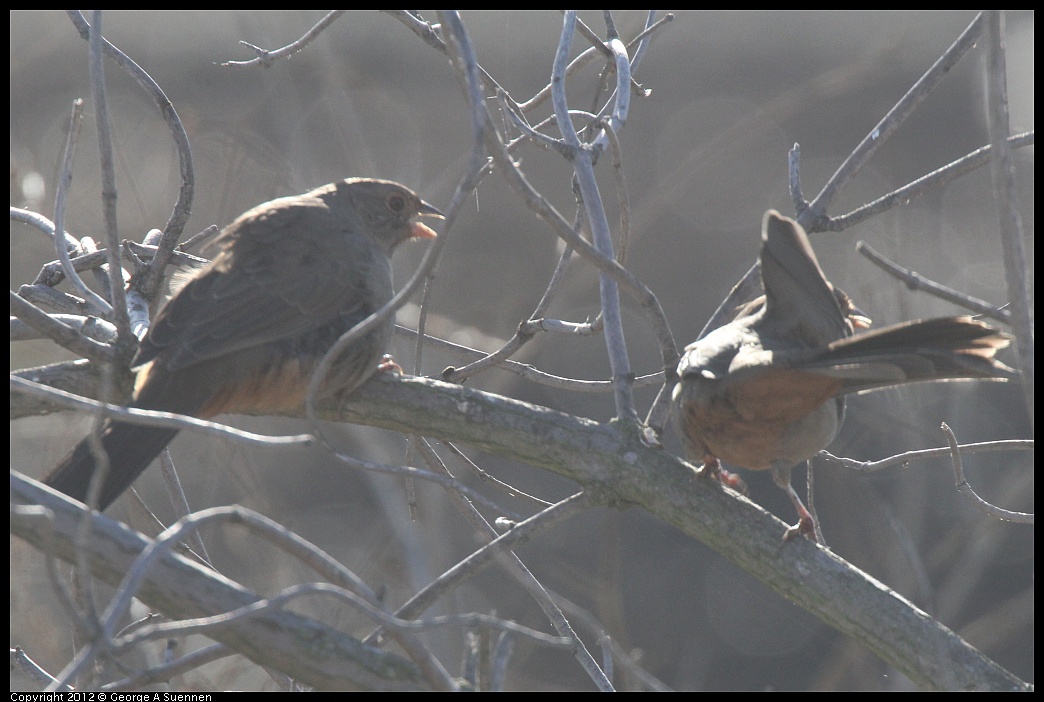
(806, 525)
(712, 470)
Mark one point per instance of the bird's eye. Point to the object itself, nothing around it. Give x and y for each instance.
(396, 203)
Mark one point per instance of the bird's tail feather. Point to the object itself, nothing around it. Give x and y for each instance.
(130, 450)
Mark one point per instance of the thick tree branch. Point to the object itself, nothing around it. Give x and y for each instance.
(302, 647)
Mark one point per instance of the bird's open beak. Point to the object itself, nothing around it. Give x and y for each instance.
(419, 230)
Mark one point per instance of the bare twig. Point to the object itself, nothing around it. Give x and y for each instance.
(58, 300)
(20, 660)
(91, 327)
(510, 489)
(309, 650)
(153, 278)
(622, 199)
(125, 346)
(444, 481)
(966, 489)
(43, 224)
(524, 370)
(200, 238)
(72, 138)
(547, 212)
(202, 625)
(1002, 166)
(904, 459)
(811, 216)
(523, 333)
(168, 670)
(915, 281)
(599, 48)
(616, 345)
(265, 58)
(283, 538)
(430, 35)
(60, 333)
(482, 557)
(498, 665)
(179, 501)
(151, 418)
(627, 659)
(462, 54)
(901, 196)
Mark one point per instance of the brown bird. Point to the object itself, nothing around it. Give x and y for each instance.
(766, 391)
(245, 333)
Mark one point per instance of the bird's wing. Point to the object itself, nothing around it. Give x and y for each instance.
(275, 278)
(801, 302)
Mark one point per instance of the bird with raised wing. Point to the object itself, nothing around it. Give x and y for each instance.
(766, 390)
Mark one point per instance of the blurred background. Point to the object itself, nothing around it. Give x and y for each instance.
(703, 155)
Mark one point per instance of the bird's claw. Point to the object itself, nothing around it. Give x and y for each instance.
(805, 527)
(712, 470)
(388, 365)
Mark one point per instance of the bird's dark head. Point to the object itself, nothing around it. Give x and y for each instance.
(388, 208)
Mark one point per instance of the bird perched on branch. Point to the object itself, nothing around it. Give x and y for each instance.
(766, 390)
(245, 332)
